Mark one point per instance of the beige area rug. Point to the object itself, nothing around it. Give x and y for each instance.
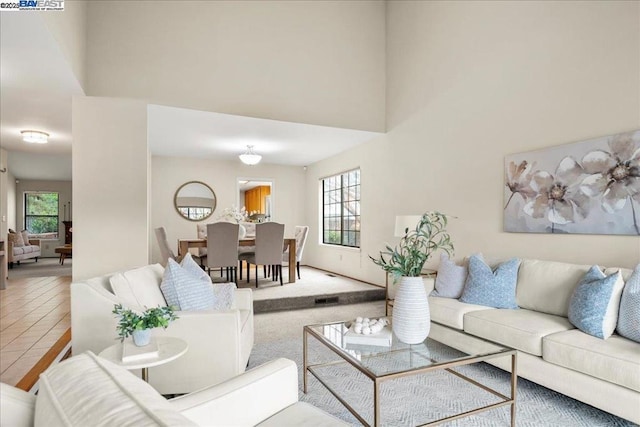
(45, 267)
(288, 324)
(312, 282)
(315, 288)
(413, 400)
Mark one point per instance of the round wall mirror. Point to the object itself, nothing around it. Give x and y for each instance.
(195, 201)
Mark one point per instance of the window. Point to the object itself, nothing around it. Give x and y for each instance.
(341, 209)
(41, 214)
(195, 213)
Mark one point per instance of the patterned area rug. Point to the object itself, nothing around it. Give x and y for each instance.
(419, 399)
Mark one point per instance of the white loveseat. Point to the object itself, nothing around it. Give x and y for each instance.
(89, 391)
(551, 351)
(30, 250)
(220, 342)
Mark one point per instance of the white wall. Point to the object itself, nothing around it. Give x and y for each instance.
(12, 196)
(110, 186)
(319, 62)
(169, 173)
(64, 190)
(468, 83)
(69, 27)
(3, 195)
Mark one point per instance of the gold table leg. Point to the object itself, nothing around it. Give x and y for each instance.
(514, 379)
(145, 374)
(376, 403)
(304, 360)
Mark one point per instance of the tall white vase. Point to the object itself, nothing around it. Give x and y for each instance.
(411, 319)
(242, 232)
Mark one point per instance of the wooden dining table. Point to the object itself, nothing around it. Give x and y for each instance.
(185, 244)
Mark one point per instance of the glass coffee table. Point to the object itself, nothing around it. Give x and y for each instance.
(381, 363)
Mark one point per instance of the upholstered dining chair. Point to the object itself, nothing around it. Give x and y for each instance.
(163, 243)
(269, 242)
(301, 238)
(202, 252)
(222, 248)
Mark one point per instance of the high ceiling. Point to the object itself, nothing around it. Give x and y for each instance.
(37, 85)
(178, 132)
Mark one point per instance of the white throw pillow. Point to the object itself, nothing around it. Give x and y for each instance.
(450, 279)
(224, 295)
(18, 240)
(185, 291)
(25, 237)
(139, 287)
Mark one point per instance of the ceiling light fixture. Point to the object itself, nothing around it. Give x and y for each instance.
(250, 157)
(35, 136)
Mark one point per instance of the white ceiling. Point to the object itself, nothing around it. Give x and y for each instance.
(179, 132)
(37, 85)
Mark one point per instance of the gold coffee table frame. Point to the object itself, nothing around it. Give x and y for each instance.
(378, 379)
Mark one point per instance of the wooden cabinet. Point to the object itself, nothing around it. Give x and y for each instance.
(3, 266)
(67, 232)
(256, 199)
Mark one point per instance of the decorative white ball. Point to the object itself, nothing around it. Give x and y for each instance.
(366, 326)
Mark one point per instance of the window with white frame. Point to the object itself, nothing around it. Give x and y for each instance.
(341, 209)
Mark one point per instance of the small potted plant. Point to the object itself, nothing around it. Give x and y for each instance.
(139, 325)
(411, 319)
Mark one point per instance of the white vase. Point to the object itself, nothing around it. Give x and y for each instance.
(242, 232)
(411, 319)
(141, 337)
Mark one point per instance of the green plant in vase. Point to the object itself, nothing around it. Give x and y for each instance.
(139, 325)
(411, 320)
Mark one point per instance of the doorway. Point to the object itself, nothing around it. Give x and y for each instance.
(257, 196)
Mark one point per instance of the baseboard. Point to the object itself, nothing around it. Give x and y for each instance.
(59, 351)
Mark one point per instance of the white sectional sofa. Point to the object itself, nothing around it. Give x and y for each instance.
(89, 391)
(551, 351)
(220, 341)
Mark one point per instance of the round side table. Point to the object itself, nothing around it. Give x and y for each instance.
(169, 348)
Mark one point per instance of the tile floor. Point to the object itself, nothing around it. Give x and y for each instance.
(34, 314)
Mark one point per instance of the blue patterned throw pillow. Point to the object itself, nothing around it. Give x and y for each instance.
(594, 304)
(629, 315)
(185, 291)
(492, 288)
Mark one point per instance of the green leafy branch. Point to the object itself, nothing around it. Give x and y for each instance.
(129, 320)
(416, 247)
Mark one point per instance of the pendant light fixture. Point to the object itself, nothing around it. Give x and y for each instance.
(250, 157)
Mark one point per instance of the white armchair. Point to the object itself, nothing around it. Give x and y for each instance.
(265, 396)
(220, 342)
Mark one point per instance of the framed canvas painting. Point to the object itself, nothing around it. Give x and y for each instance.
(588, 187)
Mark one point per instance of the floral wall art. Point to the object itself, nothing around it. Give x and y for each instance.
(588, 187)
